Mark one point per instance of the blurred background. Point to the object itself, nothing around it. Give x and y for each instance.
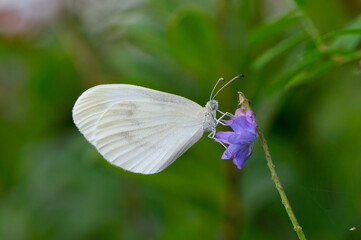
(302, 64)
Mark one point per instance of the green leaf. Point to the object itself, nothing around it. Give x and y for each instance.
(349, 41)
(309, 75)
(274, 29)
(277, 50)
(312, 66)
(342, 32)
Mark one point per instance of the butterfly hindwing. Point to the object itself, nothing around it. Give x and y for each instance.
(138, 129)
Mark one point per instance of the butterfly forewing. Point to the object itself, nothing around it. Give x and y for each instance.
(138, 129)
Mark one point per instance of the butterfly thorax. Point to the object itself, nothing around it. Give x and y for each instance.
(209, 121)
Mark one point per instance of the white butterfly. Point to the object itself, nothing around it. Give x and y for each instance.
(139, 129)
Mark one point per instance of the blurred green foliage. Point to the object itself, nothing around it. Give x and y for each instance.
(302, 65)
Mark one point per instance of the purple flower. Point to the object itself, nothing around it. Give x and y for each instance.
(241, 140)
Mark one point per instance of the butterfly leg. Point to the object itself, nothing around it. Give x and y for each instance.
(226, 113)
(219, 120)
(212, 134)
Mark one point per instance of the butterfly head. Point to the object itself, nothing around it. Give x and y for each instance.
(212, 105)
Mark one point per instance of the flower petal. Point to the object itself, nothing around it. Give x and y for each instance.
(243, 123)
(251, 118)
(243, 137)
(223, 136)
(230, 122)
(235, 124)
(226, 155)
(242, 156)
(232, 151)
(240, 112)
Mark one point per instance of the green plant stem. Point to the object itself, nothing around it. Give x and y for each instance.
(310, 27)
(312, 30)
(285, 202)
(271, 166)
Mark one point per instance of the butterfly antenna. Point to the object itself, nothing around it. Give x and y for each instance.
(238, 76)
(221, 79)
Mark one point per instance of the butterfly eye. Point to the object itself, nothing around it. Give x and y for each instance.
(214, 105)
